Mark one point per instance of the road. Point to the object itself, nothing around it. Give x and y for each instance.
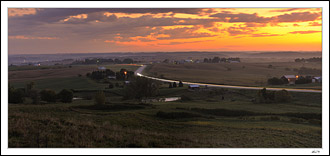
(139, 71)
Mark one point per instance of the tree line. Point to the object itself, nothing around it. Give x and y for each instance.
(218, 59)
(19, 95)
(283, 80)
(314, 59)
(103, 74)
(104, 61)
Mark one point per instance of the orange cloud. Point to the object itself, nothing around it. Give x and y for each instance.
(21, 11)
(304, 32)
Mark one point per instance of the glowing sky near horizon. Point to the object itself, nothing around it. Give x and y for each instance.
(52, 30)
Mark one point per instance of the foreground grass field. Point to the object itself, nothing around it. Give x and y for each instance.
(245, 74)
(201, 121)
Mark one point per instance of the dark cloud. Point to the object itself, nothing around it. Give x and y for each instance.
(255, 18)
(289, 9)
(176, 43)
(264, 35)
(241, 17)
(298, 17)
(240, 30)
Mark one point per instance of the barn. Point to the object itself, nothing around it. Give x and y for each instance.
(291, 78)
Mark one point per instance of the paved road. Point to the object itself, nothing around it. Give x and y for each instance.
(138, 72)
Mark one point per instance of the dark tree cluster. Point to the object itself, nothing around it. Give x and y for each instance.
(122, 76)
(174, 85)
(18, 95)
(141, 87)
(314, 59)
(101, 74)
(104, 61)
(304, 80)
(264, 96)
(219, 60)
(277, 81)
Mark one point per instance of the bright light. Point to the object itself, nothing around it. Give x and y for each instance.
(297, 76)
(125, 72)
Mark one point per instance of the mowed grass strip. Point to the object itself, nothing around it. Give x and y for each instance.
(58, 84)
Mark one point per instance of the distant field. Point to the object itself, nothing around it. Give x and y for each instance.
(61, 78)
(249, 74)
(24, 73)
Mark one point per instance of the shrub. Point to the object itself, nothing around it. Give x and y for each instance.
(65, 96)
(264, 96)
(117, 84)
(28, 88)
(111, 85)
(226, 112)
(282, 96)
(48, 95)
(180, 84)
(185, 98)
(35, 96)
(176, 115)
(314, 121)
(275, 81)
(174, 85)
(100, 98)
(16, 95)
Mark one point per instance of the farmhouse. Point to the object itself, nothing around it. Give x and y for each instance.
(291, 78)
(193, 87)
(101, 68)
(317, 79)
(112, 77)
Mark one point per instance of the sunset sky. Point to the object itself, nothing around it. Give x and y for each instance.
(36, 31)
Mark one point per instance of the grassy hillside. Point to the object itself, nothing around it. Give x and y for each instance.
(198, 122)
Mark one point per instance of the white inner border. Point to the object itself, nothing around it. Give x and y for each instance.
(168, 4)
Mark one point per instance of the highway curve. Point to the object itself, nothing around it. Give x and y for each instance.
(138, 72)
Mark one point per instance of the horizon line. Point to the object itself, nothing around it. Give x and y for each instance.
(159, 52)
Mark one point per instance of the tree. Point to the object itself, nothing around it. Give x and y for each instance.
(128, 61)
(28, 88)
(99, 98)
(180, 84)
(216, 60)
(65, 96)
(275, 81)
(35, 96)
(48, 95)
(170, 85)
(16, 95)
(117, 61)
(303, 80)
(111, 85)
(174, 85)
(166, 61)
(141, 87)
